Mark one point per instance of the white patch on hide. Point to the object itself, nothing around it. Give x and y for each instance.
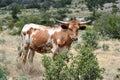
(58, 41)
(55, 48)
(49, 41)
(34, 26)
(53, 30)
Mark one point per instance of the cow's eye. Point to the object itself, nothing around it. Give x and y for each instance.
(70, 29)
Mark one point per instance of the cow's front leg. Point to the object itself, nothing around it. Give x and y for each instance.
(54, 50)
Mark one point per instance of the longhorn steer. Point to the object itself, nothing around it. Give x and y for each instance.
(38, 37)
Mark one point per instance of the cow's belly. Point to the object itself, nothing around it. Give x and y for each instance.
(42, 49)
(40, 41)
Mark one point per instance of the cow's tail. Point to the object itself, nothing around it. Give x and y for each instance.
(20, 52)
(21, 47)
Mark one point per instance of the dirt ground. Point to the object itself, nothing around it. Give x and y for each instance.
(108, 59)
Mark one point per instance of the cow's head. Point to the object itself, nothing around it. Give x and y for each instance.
(72, 27)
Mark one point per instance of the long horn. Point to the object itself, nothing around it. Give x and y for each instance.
(85, 22)
(62, 22)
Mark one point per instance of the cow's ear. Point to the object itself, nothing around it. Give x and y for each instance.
(64, 26)
(82, 27)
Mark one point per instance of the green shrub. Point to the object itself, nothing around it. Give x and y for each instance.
(2, 76)
(10, 23)
(43, 19)
(15, 27)
(15, 8)
(0, 26)
(2, 41)
(19, 23)
(114, 9)
(31, 19)
(90, 37)
(22, 78)
(88, 66)
(14, 32)
(96, 16)
(84, 66)
(36, 19)
(55, 70)
(61, 14)
(108, 25)
(105, 47)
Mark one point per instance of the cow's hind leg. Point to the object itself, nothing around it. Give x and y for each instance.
(31, 55)
(25, 52)
(19, 55)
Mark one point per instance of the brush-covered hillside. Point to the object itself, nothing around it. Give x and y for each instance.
(95, 56)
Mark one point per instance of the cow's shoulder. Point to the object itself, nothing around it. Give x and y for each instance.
(61, 38)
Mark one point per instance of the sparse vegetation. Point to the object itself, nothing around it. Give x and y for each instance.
(0, 26)
(2, 75)
(105, 47)
(117, 76)
(114, 9)
(15, 10)
(118, 69)
(81, 63)
(94, 5)
(90, 37)
(108, 25)
(22, 78)
(2, 41)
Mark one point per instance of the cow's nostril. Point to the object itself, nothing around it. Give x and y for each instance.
(74, 39)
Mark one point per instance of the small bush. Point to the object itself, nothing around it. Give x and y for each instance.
(105, 47)
(2, 76)
(14, 32)
(10, 24)
(22, 78)
(114, 9)
(96, 16)
(88, 65)
(84, 66)
(60, 14)
(108, 25)
(43, 19)
(2, 41)
(15, 8)
(90, 37)
(1, 26)
(19, 23)
(55, 70)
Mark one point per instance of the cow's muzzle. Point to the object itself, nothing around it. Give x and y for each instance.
(75, 39)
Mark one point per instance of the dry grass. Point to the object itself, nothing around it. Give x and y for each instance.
(109, 59)
(8, 55)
